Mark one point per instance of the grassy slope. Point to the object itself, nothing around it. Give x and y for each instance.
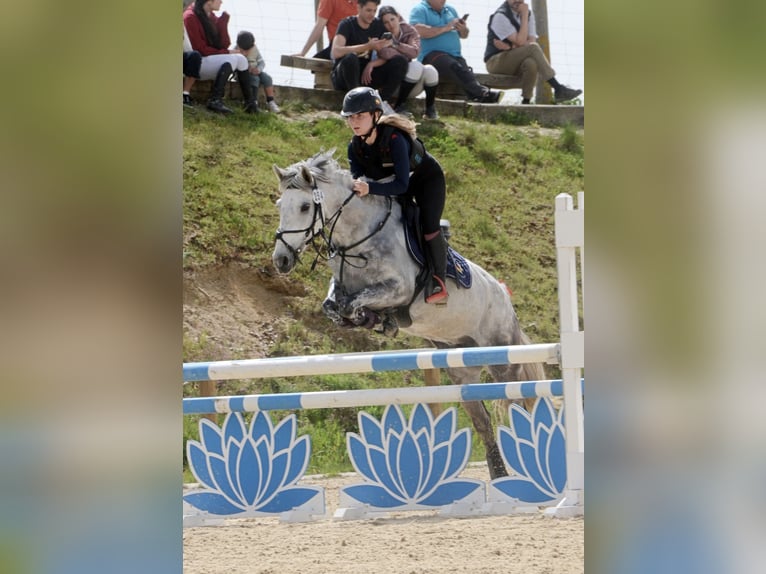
(501, 185)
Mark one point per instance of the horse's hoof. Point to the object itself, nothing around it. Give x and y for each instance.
(364, 317)
(498, 473)
(344, 307)
(390, 327)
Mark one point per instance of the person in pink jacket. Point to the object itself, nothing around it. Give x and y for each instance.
(407, 43)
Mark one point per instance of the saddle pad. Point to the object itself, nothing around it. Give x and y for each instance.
(457, 266)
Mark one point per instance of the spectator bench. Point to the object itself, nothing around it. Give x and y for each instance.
(448, 91)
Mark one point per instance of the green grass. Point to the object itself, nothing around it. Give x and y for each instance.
(502, 181)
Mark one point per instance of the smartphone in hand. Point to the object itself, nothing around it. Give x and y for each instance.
(464, 18)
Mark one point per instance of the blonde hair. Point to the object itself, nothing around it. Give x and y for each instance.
(401, 122)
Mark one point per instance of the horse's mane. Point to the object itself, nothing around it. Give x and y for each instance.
(322, 166)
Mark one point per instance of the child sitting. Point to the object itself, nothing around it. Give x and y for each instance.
(246, 46)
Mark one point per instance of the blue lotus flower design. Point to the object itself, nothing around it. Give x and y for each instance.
(535, 448)
(410, 463)
(249, 470)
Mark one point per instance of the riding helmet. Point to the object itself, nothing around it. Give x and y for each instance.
(361, 99)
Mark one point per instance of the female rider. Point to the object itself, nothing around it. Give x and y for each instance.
(403, 174)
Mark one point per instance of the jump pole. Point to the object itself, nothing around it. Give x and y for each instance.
(371, 397)
(345, 363)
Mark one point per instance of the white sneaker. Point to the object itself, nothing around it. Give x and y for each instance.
(273, 107)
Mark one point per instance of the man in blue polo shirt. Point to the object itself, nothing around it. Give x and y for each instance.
(440, 31)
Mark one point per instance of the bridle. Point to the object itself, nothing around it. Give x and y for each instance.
(310, 232)
(317, 229)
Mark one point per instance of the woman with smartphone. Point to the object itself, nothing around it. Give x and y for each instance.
(406, 43)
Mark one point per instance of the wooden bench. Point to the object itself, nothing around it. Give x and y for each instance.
(322, 68)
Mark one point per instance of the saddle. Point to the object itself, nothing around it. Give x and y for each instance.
(457, 267)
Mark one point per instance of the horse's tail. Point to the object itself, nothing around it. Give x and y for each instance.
(528, 372)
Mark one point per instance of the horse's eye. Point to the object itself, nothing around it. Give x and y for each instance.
(305, 207)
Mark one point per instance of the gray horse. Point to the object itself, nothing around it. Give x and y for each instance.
(374, 277)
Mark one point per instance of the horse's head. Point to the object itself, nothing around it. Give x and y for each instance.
(300, 207)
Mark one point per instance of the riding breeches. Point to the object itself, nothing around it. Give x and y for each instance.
(428, 187)
(211, 64)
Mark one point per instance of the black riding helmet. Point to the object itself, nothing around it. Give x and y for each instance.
(361, 99)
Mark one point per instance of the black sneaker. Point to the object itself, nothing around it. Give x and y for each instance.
(431, 113)
(216, 105)
(188, 102)
(251, 107)
(565, 94)
(495, 96)
(488, 97)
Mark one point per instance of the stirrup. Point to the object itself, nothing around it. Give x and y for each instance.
(439, 295)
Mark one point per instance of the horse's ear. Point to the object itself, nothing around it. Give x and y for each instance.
(279, 172)
(307, 175)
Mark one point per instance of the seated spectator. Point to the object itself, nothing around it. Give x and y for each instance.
(192, 63)
(210, 37)
(246, 46)
(512, 49)
(329, 15)
(440, 32)
(353, 50)
(406, 41)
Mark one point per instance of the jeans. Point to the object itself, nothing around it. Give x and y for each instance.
(347, 75)
(456, 71)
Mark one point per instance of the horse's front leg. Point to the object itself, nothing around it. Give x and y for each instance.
(354, 316)
(331, 309)
(358, 306)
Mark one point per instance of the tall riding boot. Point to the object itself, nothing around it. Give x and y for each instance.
(251, 103)
(405, 88)
(436, 287)
(431, 113)
(215, 103)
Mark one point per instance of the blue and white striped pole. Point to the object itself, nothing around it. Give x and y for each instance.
(368, 397)
(371, 362)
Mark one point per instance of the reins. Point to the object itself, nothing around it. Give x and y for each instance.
(343, 251)
(333, 250)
